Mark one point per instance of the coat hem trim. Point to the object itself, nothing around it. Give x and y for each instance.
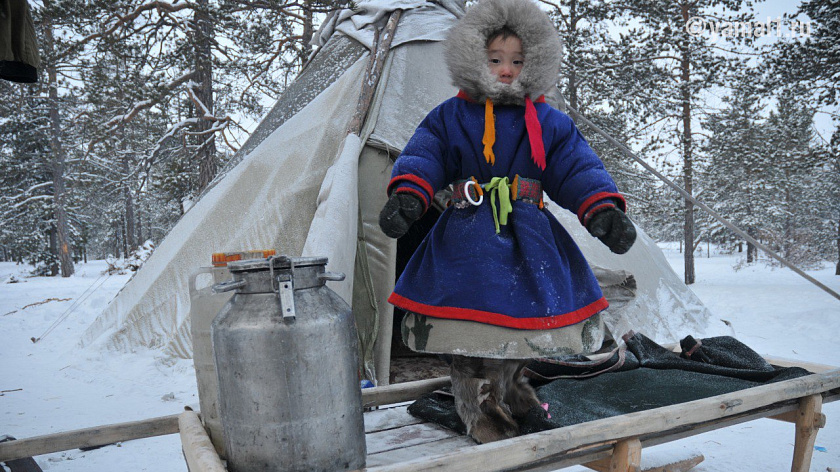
(498, 319)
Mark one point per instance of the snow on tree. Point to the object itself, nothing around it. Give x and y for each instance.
(667, 69)
(736, 174)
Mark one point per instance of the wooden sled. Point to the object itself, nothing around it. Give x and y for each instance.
(396, 441)
(399, 442)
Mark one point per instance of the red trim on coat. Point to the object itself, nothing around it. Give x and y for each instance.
(584, 207)
(488, 317)
(594, 210)
(463, 96)
(414, 191)
(413, 179)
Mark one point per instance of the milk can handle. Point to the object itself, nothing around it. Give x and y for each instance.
(194, 277)
(228, 286)
(332, 276)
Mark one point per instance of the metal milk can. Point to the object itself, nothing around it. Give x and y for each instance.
(286, 358)
(204, 306)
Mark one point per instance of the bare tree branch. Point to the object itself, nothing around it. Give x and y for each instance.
(124, 20)
(145, 104)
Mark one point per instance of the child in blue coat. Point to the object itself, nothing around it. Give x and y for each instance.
(498, 280)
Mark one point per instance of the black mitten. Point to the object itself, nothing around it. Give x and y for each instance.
(613, 228)
(401, 210)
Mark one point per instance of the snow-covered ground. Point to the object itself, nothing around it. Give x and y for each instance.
(53, 385)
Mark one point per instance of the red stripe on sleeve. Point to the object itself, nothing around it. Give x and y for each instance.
(584, 207)
(426, 186)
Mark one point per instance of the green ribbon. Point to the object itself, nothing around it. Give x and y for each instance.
(500, 186)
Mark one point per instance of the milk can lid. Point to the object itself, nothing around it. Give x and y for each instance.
(279, 262)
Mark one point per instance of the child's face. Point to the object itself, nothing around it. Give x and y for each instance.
(505, 58)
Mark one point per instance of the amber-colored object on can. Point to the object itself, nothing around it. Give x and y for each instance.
(221, 259)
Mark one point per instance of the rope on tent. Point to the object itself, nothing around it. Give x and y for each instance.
(84, 296)
(578, 117)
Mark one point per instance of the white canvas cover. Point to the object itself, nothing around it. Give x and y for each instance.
(268, 201)
(664, 308)
(302, 187)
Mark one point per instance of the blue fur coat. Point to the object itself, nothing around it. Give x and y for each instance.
(531, 275)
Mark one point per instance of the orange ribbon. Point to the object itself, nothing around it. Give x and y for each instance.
(489, 132)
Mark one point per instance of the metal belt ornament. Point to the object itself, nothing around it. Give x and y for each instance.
(471, 192)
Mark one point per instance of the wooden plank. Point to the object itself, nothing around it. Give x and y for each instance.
(788, 417)
(428, 449)
(685, 431)
(401, 392)
(810, 420)
(730, 405)
(568, 459)
(514, 452)
(88, 437)
(593, 453)
(809, 366)
(596, 452)
(602, 451)
(601, 465)
(406, 436)
(792, 415)
(388, 418)
(680, 466)
(199, 452)
(626, 456)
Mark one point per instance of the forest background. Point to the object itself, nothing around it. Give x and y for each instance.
(141, 104)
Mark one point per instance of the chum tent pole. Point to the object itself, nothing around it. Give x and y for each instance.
(582, 119)
(379, 346)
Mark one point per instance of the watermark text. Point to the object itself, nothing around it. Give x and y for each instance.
(698, 26)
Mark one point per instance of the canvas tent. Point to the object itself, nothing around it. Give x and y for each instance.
(304, 186)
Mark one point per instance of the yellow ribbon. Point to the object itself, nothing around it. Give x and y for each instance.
(489, 133)
(500, 186)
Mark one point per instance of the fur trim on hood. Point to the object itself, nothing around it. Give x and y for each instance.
(466, 54)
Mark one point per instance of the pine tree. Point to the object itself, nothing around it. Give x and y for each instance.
(832, 186)
(588, 82)
(814, 63)
(825, 195)
(38, 157)
(208, 61)
(791, 135)
(139, 105)
(738, 161)
(51, 14)
(666, 71)
(25, 180)
(812, 56)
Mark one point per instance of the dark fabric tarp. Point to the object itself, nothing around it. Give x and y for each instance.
(641, 377)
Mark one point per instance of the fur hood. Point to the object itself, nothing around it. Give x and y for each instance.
(466, 54)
